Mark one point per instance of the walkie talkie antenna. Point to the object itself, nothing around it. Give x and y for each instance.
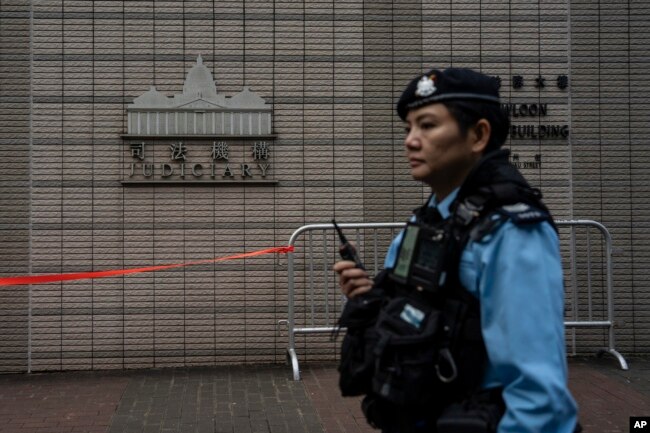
(341, 235)
(347, 251)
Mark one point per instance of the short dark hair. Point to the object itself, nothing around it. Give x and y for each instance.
(468, 113)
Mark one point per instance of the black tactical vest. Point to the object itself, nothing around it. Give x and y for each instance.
(414, 344)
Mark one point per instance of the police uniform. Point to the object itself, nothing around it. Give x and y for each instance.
(516, 273)
(508, 261)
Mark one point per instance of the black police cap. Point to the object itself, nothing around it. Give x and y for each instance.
(447, 85)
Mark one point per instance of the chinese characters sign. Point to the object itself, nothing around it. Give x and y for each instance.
(517, 162)
(217, 160)
(528, 119)
(539, 81)
(540, 119)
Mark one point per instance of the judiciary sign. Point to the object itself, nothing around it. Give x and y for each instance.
(198, 136)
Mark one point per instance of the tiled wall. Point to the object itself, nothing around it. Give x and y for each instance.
(14, 180)
(332, 72)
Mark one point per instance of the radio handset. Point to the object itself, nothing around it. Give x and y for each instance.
(346, 250)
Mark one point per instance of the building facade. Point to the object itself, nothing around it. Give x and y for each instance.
(156, 132)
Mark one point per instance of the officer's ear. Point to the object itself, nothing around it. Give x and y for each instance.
(480, 135)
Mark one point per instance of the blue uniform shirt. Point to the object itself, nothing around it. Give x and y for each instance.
(516, 272)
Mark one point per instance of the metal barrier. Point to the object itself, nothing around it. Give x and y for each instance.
(322, 308)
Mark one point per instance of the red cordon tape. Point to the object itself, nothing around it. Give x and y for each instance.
(40, 279)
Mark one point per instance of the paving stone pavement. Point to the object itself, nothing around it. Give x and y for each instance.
(60, 402)
(236, 399)
(259, 398)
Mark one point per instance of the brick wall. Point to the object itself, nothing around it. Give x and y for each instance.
(14, 178)
(332, 72)
(608, 147)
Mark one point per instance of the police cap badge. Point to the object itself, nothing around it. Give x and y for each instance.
(447, 85)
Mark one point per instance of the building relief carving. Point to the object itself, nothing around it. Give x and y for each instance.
(199, 110)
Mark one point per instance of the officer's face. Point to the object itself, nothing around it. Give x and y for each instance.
(438, 154)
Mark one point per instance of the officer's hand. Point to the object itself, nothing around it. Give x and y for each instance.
(353, 281)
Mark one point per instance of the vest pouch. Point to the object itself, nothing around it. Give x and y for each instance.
(406, 353)
(357, 361)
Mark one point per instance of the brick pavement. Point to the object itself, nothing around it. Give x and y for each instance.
(608, 396)
(60, 402)
(237, 399)
(259, 398)
(337, 414)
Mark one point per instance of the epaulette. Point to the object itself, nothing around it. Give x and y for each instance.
(519, 213)
(523, 213)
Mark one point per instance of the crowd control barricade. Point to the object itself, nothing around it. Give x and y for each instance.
(315, 301)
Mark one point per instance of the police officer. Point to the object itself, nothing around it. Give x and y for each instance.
(454, 130)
